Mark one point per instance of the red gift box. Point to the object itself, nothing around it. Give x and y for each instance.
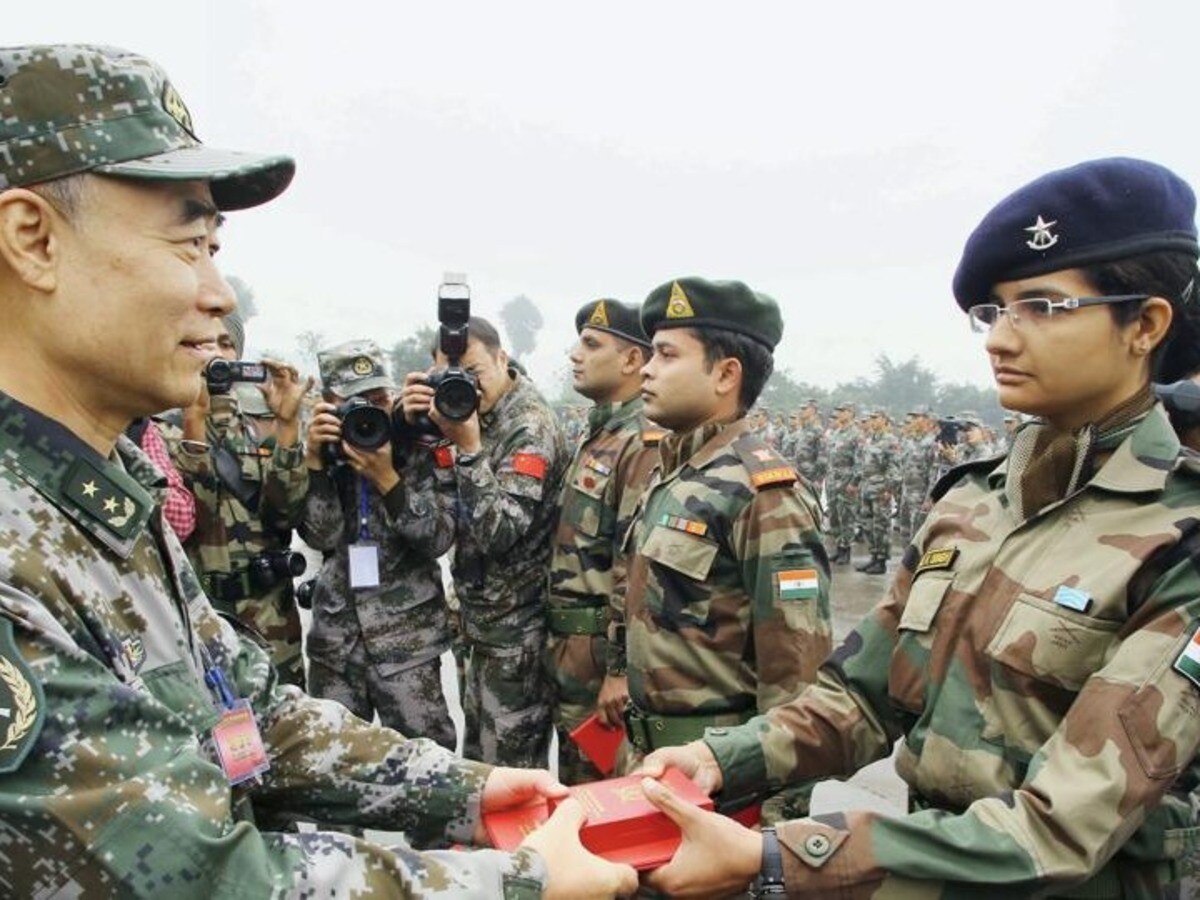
(598, 742)
(622, 825)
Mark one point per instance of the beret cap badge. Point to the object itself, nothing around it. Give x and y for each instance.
(599, 316)
(1043, 238)
(678, 306)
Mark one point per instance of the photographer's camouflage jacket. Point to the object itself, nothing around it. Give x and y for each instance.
(1045, 677)
(505, 508)
(405, 621)
(108, 781)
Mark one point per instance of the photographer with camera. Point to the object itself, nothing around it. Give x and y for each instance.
(249, 487)
(502, 464)
(380, 622)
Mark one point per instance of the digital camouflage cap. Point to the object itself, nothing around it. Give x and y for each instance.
(353, 368)
(71, 108)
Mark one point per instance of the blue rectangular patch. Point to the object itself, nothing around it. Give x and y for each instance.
(1073, 598)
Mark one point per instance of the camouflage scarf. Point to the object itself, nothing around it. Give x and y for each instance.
(678, 447)
(1047, 464)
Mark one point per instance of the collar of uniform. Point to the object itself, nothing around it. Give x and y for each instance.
(504, 403)
(699, 446)
(98, 494)
(1139, 463)
(618, 415)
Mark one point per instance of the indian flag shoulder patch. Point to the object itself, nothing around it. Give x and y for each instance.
(797, 584)
(1187, 663)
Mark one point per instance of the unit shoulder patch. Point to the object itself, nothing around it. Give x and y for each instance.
(22, 706)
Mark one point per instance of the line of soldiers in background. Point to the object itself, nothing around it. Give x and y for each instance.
(874, 474)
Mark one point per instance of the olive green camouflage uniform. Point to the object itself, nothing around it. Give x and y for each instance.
(879, 465)
(109, 784)
(1045, 677)
(844, 444)
(807, 451)
(916, 479)
(587, 571)
(504, 521)
(237, 522)
(379, 649)
(727, 605)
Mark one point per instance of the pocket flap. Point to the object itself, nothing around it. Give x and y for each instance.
(686, 553)
(1060, 647)
(924, 600)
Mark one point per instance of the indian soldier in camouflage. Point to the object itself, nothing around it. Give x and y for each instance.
(249, 488)
(1039, 649)
(129, 710)
(807, 449)
(916, 471)
(727, 604)
(376, 647)
(878, 474)
(844, 442)
(502, 469)
(605, 479)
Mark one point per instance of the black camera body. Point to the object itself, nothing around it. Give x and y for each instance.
(364, 426)
(274, 567)
(455, 390)
(950, 431)
(220, 374)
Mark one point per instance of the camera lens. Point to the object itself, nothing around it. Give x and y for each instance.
(366, 427)
(456, 397)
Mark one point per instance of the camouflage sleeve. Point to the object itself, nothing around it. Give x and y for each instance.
(633, 472)
(501, 499)
(323, 524)
(121, 799)
(1123, 741)
(418, 512)
(785, 571)
(285, 486)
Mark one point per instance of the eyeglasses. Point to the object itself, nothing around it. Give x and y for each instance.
(1033, 311)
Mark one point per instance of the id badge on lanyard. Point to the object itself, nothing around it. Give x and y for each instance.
(364, 555)
(239, 745)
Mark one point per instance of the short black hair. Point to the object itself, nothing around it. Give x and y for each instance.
(757, 360)
(64, 194)
(479, 329)
(1171, 275)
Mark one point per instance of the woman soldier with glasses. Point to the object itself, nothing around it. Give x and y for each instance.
(1039, 649)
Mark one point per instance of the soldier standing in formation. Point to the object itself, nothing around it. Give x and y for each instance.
(1039, 650)
(148, 747)
(501, 468)
(586, 616)
(878, 473)
(807, 446)
(380, 622)
(916, 471)
(844, 443)
(727, 604)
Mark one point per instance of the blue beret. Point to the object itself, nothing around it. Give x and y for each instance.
(1098, 211)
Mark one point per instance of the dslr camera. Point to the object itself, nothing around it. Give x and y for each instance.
(364, 426)
(455, 390)
(221, 374)
(950, 431)
(272, 567)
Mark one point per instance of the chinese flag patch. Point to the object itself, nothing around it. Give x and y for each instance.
(443, 456)
(530, 464)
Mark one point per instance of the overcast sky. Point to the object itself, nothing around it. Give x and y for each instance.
(835, 157)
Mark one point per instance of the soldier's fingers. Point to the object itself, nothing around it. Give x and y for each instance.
(624, 881)
(682, 814)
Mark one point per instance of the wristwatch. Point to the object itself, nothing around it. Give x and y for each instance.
(769, 882)
(466, 459)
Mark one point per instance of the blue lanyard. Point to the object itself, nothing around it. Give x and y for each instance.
(363, 533)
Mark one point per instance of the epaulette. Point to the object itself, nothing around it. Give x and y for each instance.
(765, 467)
(954, 475)
(652, 436)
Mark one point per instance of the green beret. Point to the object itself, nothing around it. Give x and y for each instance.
(614, 317)
(700, 303)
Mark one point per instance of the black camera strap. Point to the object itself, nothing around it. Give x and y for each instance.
(228, 465)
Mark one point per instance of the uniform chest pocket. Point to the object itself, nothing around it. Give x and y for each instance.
(586, 509)
(1050, 644)
(924, 600)
(908, 674)
(685, 553)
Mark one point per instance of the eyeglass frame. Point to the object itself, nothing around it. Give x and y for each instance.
(1067, 303)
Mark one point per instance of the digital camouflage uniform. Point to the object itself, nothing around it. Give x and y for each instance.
(844, 443)
(879, 464)
(505, 519)
(727, 606)
(916, 480)
(587, 570)
(1045, 677)
(109, 786)
(379, 649)
(246, 515)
